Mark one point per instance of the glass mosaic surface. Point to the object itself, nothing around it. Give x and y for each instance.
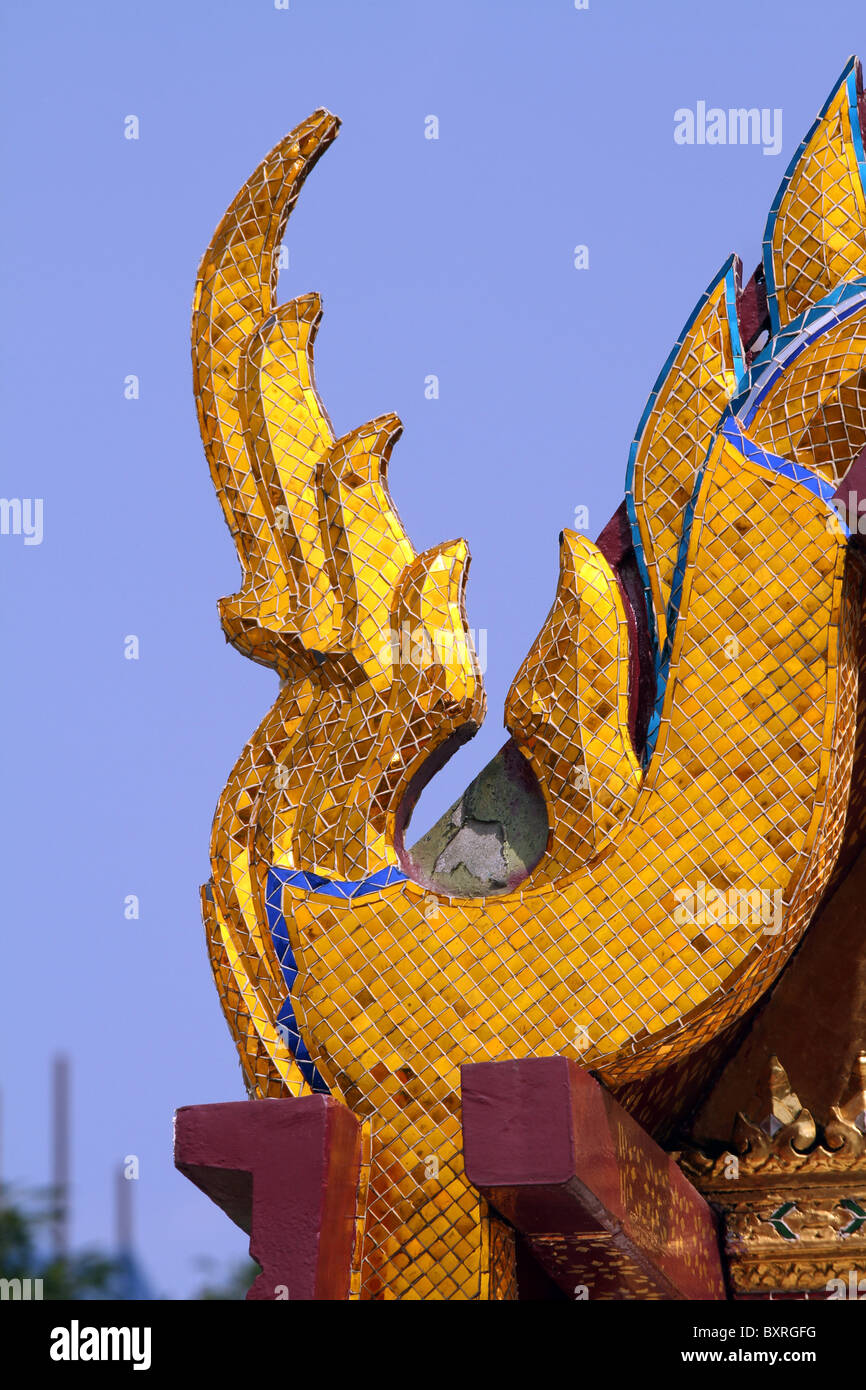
(644, 930)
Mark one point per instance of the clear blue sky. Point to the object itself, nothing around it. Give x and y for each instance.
(452, 257)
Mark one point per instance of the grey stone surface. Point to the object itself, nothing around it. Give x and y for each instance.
(490, 840)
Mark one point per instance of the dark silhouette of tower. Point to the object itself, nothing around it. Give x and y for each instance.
(123, 1212)
(60, 1144)
(129, 1281)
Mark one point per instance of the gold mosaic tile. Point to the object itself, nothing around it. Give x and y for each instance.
(676, 884)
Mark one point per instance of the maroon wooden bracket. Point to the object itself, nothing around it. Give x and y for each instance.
(286, 1171)
(850, 497)
(604, 1210)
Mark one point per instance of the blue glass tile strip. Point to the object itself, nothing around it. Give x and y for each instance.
(781, 352)
(731, 287)
(854, 116)
(797, 472)
(664, 656)
(311, 883)
(728, 273)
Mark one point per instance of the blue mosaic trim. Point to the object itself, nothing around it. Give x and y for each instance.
(728, 274)
(340, 888)
(856, 133)
(663, 662)
(797, 472)
(734, 322)
(848, 78)
(311, 883)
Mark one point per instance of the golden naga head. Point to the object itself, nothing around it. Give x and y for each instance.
(689, 709)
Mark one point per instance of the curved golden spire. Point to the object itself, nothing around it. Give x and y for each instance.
(669, 899)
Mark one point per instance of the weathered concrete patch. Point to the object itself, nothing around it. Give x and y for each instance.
(492, 838)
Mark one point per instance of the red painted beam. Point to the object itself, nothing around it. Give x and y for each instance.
(605, 1211)
(286, 1172)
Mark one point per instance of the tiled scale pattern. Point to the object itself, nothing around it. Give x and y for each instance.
(393, 1001)
(675, 432)
(568, 708)
(334, 969)
(817, 415)
(815, 238)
